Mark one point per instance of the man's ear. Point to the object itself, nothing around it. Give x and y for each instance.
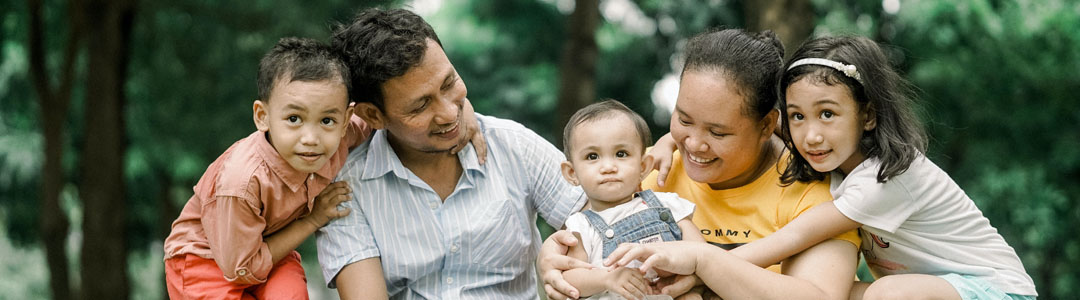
(870, 118)
(646, 164)
(568, 173)
(261, 115)
(371, 114)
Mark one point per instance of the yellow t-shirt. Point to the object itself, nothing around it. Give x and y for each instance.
(733, 217)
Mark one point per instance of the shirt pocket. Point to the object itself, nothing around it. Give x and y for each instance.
(502, 236)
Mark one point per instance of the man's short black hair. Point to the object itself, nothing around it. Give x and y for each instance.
(379, 45)
(300, 59)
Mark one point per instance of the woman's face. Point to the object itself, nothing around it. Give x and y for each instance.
(720, 145)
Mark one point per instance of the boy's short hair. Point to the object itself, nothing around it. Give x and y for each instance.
(601, 110)
(300, 59)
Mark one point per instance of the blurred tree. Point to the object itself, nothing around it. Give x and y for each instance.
(104, 250)
(577, 67)
(791, 20)
(53, 103)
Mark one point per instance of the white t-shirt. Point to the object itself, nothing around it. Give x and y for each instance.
(594, 244)
(922, 222)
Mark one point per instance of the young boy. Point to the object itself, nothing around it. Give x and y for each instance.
(268, 192)
(604, 145)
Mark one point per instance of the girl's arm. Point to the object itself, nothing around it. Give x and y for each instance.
(821, 222)
(662, 153)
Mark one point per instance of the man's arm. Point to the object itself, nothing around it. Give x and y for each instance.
(362, 280)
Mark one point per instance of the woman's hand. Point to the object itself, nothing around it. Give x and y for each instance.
(678, 257)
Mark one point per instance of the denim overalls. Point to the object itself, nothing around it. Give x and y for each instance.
(654, 224)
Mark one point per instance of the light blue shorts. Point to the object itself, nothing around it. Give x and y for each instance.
(972, 288)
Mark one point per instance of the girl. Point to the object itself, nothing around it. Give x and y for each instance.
(849, 116)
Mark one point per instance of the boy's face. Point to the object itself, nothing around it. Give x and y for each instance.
(306, 120)
(606, 160)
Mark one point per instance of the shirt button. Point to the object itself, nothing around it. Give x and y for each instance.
(434, 205)
(453, 248)
(449, 280)
(241, 272)
(609, 233)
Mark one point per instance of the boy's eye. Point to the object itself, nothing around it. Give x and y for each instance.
(622, 153)
(683, 122)
(797, 116)
(717, 134)
(826, 114)
(592, 156)
(328, 121)
(294, 119)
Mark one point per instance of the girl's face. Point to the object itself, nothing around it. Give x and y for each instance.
(826, 124)
(720, 145)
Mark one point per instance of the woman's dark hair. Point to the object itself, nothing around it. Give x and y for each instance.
(753, 60)
(898, 137)
(379, 45)
(299, 59)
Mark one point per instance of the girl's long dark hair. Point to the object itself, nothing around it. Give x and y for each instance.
(897, 139)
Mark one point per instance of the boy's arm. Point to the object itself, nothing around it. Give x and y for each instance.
(284, 241)
(821, 222)
(690, 232)
(362, 280)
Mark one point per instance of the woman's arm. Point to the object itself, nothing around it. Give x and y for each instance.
(824, 271)
(362, 280)
(821, 222)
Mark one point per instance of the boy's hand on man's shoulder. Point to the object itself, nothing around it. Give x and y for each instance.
(326, 204)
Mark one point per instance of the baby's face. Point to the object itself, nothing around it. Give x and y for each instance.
(306, 121)
(606, 155)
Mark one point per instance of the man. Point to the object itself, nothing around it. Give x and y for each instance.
(425, 223)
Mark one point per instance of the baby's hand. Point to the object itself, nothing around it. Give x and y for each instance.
(326, 204)
(661, 153)
(628, 283)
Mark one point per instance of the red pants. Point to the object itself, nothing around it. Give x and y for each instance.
(191, 277)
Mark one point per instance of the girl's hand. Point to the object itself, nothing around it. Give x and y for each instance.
(678, 257)
(553, 260)
(326, 203)
(661, 153)
(628, 283)
(472, 129)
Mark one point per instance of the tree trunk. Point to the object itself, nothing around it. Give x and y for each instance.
(104, 252)
(54, 110)
(791, 20)
(577, 68)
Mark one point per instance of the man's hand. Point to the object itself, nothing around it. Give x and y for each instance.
(553, 260)
(326, 204)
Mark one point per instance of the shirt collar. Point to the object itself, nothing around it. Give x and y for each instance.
(381, 159)
(281, 168)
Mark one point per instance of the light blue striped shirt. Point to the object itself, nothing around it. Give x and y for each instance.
(481, 243)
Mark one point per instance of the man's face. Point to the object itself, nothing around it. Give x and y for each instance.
(422, 109)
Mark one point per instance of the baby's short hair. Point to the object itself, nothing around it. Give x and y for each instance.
(300, 59)
(604, 109)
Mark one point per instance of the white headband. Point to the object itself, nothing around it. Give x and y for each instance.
(848, 70)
